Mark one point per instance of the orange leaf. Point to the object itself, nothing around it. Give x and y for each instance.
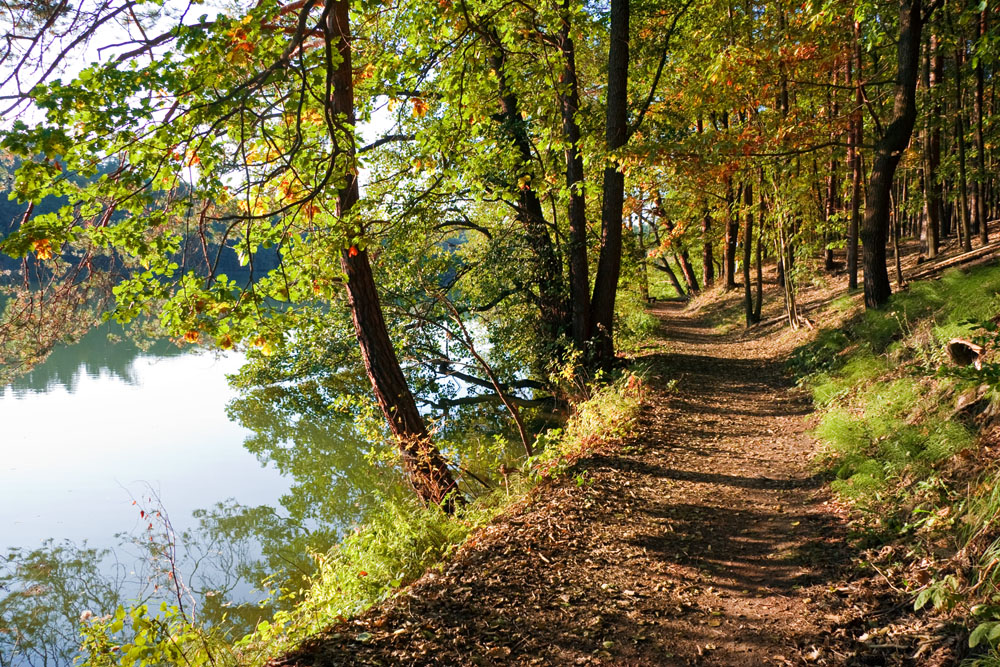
(42, 249)
(420, 107)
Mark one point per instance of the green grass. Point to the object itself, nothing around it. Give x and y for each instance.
(890, 439)
(634, 324)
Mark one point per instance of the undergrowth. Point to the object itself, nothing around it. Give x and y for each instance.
(395, 546)
(900, 449)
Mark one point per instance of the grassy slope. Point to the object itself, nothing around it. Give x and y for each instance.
(920, 472)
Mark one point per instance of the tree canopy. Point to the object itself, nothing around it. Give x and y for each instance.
(435, 189)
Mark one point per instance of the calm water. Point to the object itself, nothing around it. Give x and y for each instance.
(251, 484)
(102, 423)
(103, 431)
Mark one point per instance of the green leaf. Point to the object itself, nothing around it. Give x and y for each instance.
(982, 632)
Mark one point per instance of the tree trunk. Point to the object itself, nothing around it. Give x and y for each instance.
(963, 187)
(897, 260)
(832, 180)
(933, 199)
(664, 265)
(981, 212)
(707, 266)
(547, 272)
(890, 147)
(762, 207)
(732, 227)
(569, 98)
(609, 262)
(707, 261)
(747, 253)
(680, 253)
(425, 467)
(640, 258)
(855, 139)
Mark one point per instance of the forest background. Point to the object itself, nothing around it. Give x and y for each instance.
(372, 199)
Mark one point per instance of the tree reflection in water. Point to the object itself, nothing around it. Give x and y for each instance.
(230, 562)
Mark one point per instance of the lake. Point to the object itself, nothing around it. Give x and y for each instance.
(99, 433)
(101, 423)
(113, 456)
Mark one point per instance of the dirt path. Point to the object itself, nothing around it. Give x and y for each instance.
(703, 540)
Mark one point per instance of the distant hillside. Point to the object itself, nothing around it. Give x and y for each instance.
(11, 213)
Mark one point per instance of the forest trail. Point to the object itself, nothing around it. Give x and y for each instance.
(703, 539)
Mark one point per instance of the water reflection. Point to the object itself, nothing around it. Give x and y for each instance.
(42, 593)
(224, 506)
(103, 351)
(221, 560)
(99, 424)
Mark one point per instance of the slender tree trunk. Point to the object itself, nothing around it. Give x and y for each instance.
(680, 253)
(932, 159)
(890, 147)
(569, 98)
(981, 177)
(663, 265)
(832, 180)
(425, 467)
(897, 260)
(547, 272)
(854, 156)
(640, 258)
(609, 262)
(469, 343)
(747, 252)
(762, 207)
(963, 218)
(784, 250)
(732, 227)
(690, 277)
(707, 266)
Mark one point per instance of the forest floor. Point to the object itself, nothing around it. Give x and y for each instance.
(705, 538)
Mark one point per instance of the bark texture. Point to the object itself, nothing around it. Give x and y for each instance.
(888, 151)
(616, 129)
(569, 100)
(426, 468)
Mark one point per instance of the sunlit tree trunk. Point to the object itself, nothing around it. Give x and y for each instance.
(981, 175)
(732, 228)
(932, 159)
(832, 179)
(855, 137)
(425, 467)
(707, 265)
(963, 187)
